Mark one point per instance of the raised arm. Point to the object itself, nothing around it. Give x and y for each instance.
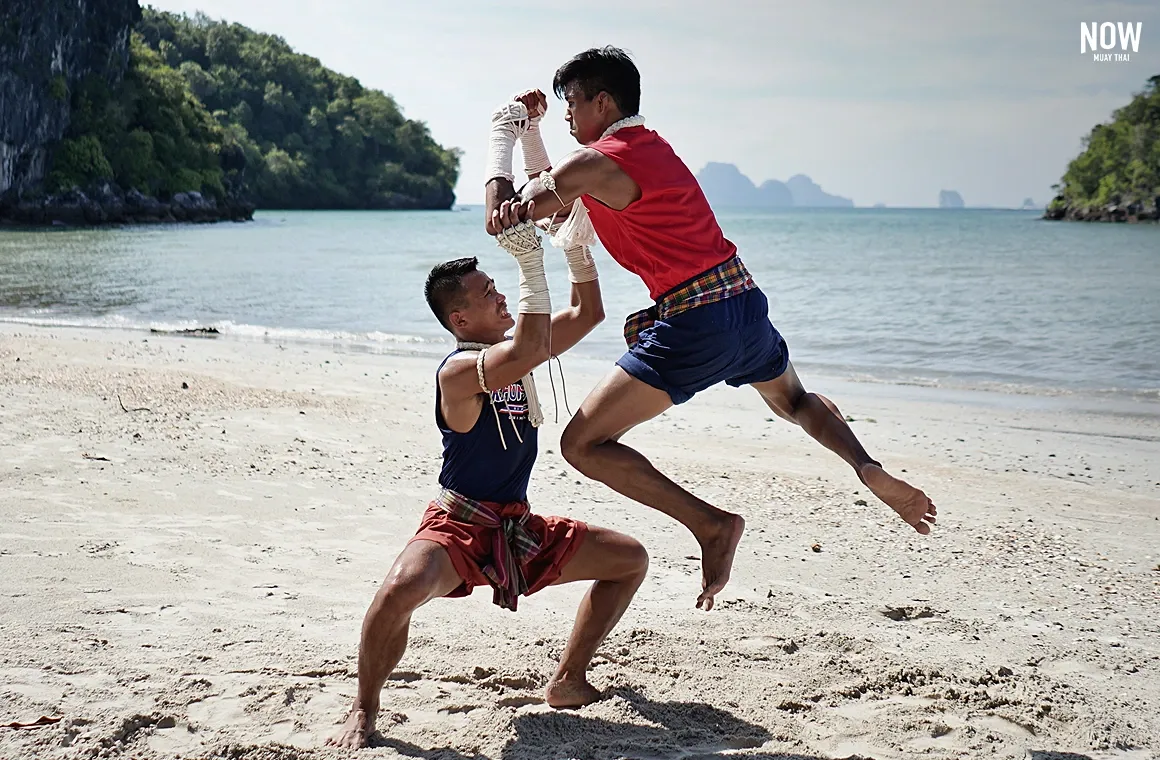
(582, 172)
(530, 346)
(465, 376)
(572, 324)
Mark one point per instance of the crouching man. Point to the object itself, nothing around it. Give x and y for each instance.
(480, 529)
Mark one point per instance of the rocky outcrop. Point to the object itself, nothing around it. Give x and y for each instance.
(1117, 176)
(46, 48)
(1059, 210)
(808, 194)
(950, 199)
(105, 203)
(725, 186)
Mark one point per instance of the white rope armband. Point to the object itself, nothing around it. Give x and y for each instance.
(535, 154)
(523, 243)
(576, 235)
(535, 413)
(508, 122)
(581, 265)
(576, 230)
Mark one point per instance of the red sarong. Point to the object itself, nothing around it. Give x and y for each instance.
(471, 547)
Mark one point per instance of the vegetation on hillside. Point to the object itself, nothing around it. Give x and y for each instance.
(149, 133)
(218, 108)
(1118, 172)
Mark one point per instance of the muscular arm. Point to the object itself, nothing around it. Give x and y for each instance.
(503, 364)
(507, 362)
(570, 325)
(582, 172)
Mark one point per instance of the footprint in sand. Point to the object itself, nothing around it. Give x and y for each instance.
(763, 644)
(234, 496)
(908, 613)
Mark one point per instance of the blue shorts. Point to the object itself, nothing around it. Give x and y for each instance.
(730, 340)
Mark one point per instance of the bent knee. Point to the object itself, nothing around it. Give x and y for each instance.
(633, 560)
(639, 558)
(576, 445)
(783, 400)
(404, 592)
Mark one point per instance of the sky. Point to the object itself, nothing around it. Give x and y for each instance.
(884, 102)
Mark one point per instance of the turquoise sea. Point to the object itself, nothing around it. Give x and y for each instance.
(966, 298)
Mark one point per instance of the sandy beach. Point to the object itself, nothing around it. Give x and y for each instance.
(191, 530)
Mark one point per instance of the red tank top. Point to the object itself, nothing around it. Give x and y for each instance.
(670, 234)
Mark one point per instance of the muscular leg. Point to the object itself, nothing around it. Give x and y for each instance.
(422, 572)
(818, 416)
(590, 444)
(618, 565)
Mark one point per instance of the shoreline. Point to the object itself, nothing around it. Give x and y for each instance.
(1139, 402)
(103, 204)
(194, 528)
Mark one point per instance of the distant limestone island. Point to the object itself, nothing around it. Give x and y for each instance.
(1117, 177)
(950, 199)
(110, 114)
(726, 187)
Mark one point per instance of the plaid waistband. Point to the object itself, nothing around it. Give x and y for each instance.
(513, 546)
(727, 279)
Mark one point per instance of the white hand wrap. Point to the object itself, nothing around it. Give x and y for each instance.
(508, 122)
(576, 235)
(581, 265)
(523, 243)
(532, 145)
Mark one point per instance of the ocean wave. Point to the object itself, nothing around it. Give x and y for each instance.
(971, 382)
(374, 340)
(594, 349)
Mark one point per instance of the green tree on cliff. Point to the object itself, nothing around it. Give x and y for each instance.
(1120, 164)
(152, 133)
(220, 109)
(312, 138)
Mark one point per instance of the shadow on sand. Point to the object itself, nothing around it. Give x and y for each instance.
(686, 730)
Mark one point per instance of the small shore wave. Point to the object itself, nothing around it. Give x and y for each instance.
(372, 341)
(596, 355)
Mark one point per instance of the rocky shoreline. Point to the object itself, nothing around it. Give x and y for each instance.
(106, 204)
(1131, 213)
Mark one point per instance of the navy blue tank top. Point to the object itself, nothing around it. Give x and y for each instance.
(475, 463)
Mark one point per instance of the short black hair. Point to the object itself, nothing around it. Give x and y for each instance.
(607, 69)
(444, 288)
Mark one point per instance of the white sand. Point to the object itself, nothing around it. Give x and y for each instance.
(200, 593)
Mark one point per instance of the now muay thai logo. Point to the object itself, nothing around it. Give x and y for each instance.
(511, 400)
(1102, 40)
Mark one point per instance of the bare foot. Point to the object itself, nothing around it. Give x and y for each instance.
(911, 504)
(569, 693)
(717, 559)
(355, 733)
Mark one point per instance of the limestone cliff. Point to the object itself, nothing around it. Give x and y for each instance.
(1117, 176)
(950, 199)
(725, 186)
(46, 48)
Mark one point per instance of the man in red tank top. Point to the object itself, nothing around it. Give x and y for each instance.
(709, 323)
